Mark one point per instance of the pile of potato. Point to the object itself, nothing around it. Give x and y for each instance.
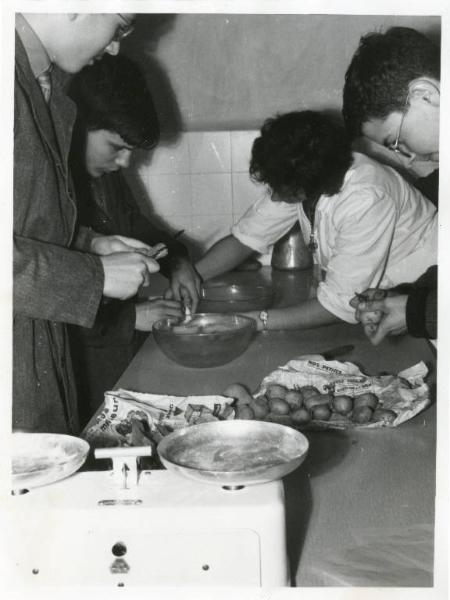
(301, 406)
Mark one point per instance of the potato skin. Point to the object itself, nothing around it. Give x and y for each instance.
(276, 391)
(308, 390)
(342, 404)
(301, 416)
(362, 414)
(317, 400)
(245, 412)
(294, 398)
(239, 392)
(367, 399)
(321, 412)
(279, 406)
(260, 407)
(384, 415)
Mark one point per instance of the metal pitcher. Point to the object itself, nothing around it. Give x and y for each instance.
(290, 252)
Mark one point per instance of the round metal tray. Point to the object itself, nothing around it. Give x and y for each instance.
(233, 453)
(43, 458)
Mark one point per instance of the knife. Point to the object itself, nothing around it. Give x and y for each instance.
(332, 353)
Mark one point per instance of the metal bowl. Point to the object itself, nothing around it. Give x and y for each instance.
(43, 458)
(233, 453)
(208, 340)
(236, 298)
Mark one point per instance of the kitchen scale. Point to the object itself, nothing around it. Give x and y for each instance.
(132, 527)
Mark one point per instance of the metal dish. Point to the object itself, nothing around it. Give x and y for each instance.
(233, 453)
(235, 298)
(43, 458)
(206, 340)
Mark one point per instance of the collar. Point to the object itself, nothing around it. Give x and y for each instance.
(36, 52)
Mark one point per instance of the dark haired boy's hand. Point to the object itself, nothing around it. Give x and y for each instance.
(185, 285)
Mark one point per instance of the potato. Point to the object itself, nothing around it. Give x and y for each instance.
(308, 390)
(294, 398)
(279, 406)
(362, 414)
(384, 415)
(239, 392)
(367, 399)
(276, 391)
(301, 416)
(342, 404)
(317, 400)
(260, 407)
(280, 419)
(322, 412)
(245, 412)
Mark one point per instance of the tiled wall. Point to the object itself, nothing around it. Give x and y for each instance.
(200, 184)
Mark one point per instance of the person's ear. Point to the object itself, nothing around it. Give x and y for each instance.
(425, 90)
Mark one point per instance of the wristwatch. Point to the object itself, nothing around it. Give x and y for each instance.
(264, 317)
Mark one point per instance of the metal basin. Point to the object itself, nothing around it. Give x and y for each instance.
(43, 458)
(235, 298)
(233, 453)
(208, 340)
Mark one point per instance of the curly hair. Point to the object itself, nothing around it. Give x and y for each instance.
(301, 152)
(112, 94)
(379, 74)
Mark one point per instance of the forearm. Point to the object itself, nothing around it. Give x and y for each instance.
(304, 315)
(226, 254)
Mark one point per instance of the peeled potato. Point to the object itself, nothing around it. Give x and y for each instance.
(294, 398)
(317, 400)
(321, 412)
(239, 392)
(367, 399)
(342, 404)
(384, 415)
(301, 416)
(279, 406)
(362, 414)
(245, 412)
(276, 391)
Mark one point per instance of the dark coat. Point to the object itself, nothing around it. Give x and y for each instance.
(103, 352)
(53, 284)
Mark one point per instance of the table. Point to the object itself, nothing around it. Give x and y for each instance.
(360, 494)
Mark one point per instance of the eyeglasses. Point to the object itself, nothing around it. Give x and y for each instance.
(395, 147)
(123, 31)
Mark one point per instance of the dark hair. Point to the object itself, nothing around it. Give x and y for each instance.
(112, 94)
(378, 77)
(301, 152)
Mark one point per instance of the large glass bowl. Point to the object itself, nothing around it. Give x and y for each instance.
(235, 297)
(208, 340)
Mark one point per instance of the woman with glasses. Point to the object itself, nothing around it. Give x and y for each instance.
(392, 97)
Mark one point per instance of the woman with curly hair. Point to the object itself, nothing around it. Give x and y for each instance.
(362, 221)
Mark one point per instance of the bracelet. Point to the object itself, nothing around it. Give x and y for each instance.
(264, 317)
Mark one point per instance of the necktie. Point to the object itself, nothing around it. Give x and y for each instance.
(45, 82)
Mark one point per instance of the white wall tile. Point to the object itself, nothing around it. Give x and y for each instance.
(210, 152)
(245, 192)
(241, 146)
(209, 229)
(211, 194)
(170, 194)
(173, 158)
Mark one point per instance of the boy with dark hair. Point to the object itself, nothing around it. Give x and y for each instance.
(116, 114)
(363, 221)
(392, 96)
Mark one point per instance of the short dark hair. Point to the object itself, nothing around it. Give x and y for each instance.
(377, 79)
(301, 151)
(112, 94)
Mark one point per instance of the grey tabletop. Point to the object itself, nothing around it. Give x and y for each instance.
(360, 510)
